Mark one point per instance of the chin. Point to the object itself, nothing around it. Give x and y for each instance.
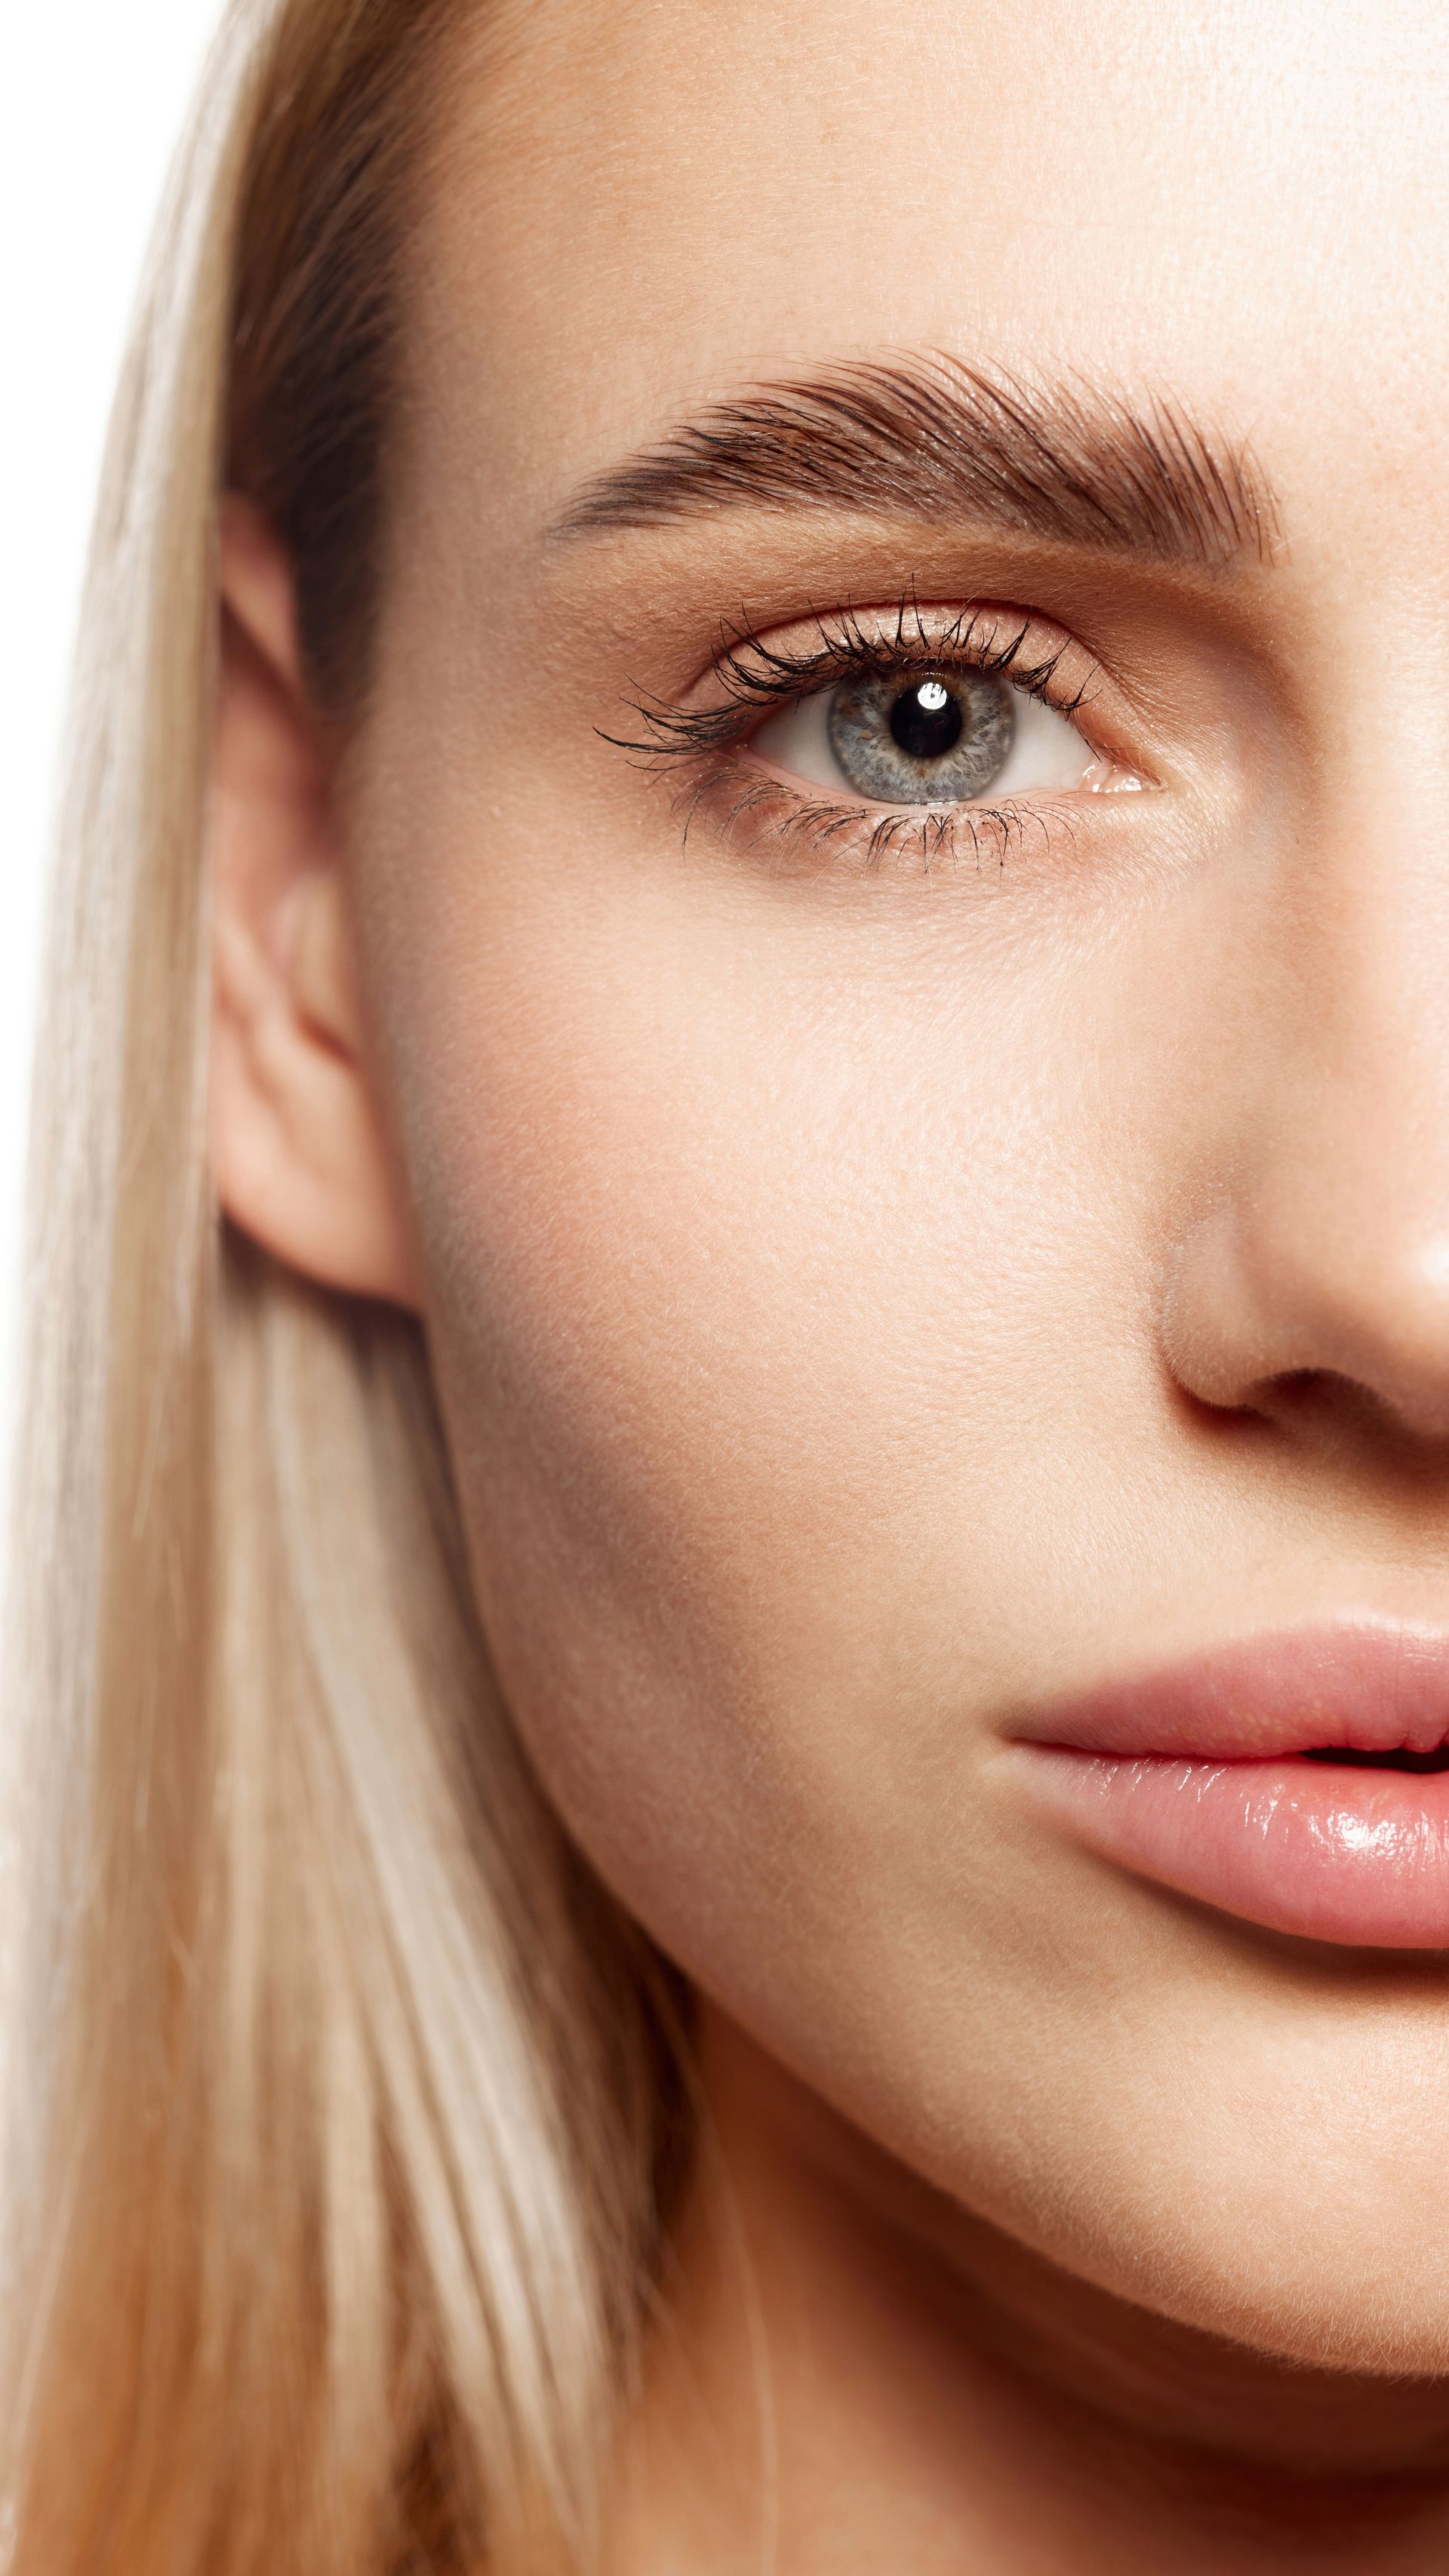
(1376, 2309)
(1304, 2250)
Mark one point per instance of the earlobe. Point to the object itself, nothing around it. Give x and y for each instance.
(298, 1150)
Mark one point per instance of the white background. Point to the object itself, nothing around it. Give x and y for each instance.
(93, 94)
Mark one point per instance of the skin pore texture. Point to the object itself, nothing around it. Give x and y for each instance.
(877, 1291)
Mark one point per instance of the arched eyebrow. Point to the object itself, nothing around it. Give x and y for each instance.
(933, 439)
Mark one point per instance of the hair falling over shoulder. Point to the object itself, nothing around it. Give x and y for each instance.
(337, 2095)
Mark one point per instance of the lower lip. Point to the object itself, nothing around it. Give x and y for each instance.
(1330, 1852)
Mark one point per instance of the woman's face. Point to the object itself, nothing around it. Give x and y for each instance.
(895, 1273)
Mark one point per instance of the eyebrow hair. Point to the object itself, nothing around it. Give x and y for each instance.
(935, 439)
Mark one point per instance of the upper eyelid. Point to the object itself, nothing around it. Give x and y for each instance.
(981, 634)
(938, 653)
(758, 670)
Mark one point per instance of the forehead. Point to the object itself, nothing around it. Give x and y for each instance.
(639, 203)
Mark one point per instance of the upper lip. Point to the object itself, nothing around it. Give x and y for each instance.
(1366, 1685)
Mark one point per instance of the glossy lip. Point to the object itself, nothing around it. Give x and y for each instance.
(1195, 1776)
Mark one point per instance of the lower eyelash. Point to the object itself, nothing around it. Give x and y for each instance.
(812, 827)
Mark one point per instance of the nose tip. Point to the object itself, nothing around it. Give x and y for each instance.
(1298, 1304)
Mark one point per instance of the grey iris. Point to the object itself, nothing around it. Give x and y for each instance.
(925, 741)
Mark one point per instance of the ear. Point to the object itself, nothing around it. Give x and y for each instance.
(298, 1151)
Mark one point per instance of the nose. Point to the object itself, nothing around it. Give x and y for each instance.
(1312, 1286)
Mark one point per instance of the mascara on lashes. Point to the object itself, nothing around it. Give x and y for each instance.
(706, 743)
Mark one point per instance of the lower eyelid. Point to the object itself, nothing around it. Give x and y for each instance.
(776, 820)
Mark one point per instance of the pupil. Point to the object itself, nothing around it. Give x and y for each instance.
(926, 721)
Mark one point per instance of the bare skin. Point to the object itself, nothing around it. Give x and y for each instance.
(853, 2376)
(875, 1289)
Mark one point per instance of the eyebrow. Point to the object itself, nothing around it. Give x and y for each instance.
(936, 440)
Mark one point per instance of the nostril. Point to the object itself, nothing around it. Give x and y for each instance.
(1307, 1394)
(1335, 1410)
(1320, 1407)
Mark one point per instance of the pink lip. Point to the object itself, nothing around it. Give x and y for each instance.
(1196, 1776)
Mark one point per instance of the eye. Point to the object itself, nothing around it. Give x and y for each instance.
(943, 737)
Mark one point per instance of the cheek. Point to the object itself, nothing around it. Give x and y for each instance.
(761, 1261)
(789, 1294)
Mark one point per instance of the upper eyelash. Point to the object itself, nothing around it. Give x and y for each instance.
(756, 677)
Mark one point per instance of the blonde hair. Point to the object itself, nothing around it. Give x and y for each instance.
(338, 2096)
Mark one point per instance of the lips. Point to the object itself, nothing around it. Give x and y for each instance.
(1292, 1780)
